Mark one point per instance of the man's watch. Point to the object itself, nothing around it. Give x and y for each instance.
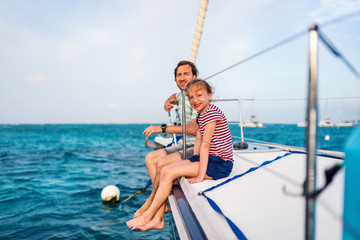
(163, 127)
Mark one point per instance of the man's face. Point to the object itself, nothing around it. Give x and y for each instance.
(183, 76)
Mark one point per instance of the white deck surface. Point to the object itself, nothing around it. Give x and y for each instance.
(258, 205)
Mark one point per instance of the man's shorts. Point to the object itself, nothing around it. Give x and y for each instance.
(217, 168)
(179, 148)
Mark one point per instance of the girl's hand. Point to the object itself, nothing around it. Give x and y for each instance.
(195, 180)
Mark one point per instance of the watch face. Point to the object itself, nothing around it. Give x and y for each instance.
(163, 127)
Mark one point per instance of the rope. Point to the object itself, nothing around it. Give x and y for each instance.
(282, 146)
(329, 175)
(261, 52)
(235, 229)
(341, 18)
(295, 99)
(337, 53)
(141, 190)
(324, 153)
(239, 234)
(291, 38)
(249, 171)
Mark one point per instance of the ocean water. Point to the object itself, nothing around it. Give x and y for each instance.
(51, 177)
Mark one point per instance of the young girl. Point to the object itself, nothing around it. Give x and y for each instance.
(213, 151)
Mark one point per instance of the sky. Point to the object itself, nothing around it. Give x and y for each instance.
(113, 61)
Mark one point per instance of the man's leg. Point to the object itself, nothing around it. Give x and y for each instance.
(164, 161)
(151, 161)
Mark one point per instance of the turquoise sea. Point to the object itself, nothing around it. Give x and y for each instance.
(51, 177)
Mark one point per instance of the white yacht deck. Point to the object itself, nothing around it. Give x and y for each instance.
(257, 202)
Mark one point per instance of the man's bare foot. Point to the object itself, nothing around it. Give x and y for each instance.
(167, 208)
(139, 221)
(142, 209)
(154, 224)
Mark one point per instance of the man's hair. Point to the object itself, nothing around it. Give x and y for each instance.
(192, 65)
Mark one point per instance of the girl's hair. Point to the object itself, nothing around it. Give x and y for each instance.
(194, 70)
(200, 84)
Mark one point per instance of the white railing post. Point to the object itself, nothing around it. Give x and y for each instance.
(310, 183)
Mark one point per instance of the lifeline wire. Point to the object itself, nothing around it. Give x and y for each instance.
(261, 52)
(295, 99)
(289, 40)
(339, 19)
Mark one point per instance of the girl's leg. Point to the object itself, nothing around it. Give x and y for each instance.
(157, 222)
(164, 161)
(168, 174)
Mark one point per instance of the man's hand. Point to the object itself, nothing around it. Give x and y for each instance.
(170, 102)
(151, 129)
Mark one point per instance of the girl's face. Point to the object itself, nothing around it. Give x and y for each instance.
(199, 98)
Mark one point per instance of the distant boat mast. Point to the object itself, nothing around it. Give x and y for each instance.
(198, 29)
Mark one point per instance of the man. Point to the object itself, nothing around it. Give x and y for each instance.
(184, 72)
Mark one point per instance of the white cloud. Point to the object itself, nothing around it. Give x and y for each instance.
(112, 106)
(330, 9)
(137, 54)
(38, 78)
(115, 59)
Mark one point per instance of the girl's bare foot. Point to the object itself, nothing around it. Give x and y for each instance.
(142, 209)
(139, 221)
(154, 224)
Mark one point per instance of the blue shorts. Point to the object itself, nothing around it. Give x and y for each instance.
(217, 168)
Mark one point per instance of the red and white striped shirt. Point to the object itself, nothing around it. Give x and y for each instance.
(221, 142)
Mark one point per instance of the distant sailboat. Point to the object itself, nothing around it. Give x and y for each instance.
(253, 122)
(326, 123)
(302, 124)
(345, 124)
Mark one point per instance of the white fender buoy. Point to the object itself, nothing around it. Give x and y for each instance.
(110, 193)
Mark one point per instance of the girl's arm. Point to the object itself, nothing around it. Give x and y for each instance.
(197, 143)
(204, 152)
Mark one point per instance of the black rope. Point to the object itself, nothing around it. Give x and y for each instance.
(329, 175)
(337, 53)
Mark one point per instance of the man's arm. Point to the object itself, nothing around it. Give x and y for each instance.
(170, 102)
(190, 129)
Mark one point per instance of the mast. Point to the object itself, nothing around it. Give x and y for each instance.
(194, 50)
(198, 29)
